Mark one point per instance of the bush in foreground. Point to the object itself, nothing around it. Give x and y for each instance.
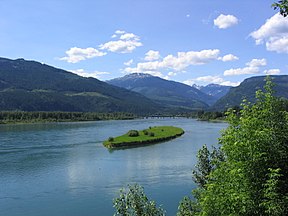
(133, 201)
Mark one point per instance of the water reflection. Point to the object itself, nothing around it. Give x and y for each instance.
(66, 165)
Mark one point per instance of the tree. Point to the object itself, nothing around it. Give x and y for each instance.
(207, 162)
(252, 180)
(282, 6)
(134, 202)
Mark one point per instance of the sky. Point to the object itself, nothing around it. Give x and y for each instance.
(193, 42)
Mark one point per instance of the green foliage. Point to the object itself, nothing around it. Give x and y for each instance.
(28, 117)
(207, 162)
(252, 180)
(151, 134)
(273, 202)
(282, 6)
(133, 133)
(144, 137)
(134, 202)
(207, 116)
(110, 139)
(186, 207)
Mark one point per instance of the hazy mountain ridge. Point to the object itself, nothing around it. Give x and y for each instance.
(165, 92)
(215, 90)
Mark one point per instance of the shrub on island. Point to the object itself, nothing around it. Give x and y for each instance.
(133, 133)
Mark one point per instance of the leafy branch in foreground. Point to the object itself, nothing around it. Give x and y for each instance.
(133, 201)
(282, 6)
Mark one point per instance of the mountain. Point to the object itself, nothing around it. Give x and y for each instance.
(32, 86)
(247, 90)
(170, 94)
(215, 90)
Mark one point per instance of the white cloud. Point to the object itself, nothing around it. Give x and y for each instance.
(185, 59)
(76, 54)
(120, 32)
(274, 33)
(83, 73)
(241, 71)
(211, 79)
(272, 72)
(145, 67)
(225, 21)
(229, 83)
(172, 74)
(177, 63)
(120, 46)
(279, 45)
(126, 43)
(129, 36)
(257, 63)
(128, 63)
(252, 68)
(228, 57)
(152, 55)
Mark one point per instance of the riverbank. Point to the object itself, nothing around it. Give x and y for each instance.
(151, 135)
(21, 117)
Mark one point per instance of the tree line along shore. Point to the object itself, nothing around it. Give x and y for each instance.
(10, 117)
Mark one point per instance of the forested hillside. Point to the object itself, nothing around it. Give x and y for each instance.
(247, 89)
(32, 86)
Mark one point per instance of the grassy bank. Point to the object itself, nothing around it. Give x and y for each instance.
(148, 136)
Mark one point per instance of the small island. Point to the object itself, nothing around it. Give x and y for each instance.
(148, 136)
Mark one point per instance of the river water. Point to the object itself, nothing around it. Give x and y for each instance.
(62, 169)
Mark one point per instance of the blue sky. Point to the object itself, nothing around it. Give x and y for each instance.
(207, 41)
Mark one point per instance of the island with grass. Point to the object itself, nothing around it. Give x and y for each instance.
(152, 135)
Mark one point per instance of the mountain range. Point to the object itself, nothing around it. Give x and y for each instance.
(33, 86)
(215, 90)
(248, 88)
(169, 94)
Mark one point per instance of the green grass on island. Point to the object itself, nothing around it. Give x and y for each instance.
(151, 135)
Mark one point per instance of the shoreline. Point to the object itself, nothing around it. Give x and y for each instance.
(159, 135)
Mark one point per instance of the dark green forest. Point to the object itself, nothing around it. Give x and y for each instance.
(30, 117)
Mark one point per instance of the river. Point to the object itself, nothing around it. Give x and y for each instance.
(62, 169)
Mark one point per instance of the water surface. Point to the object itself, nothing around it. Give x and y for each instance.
(63, 169)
